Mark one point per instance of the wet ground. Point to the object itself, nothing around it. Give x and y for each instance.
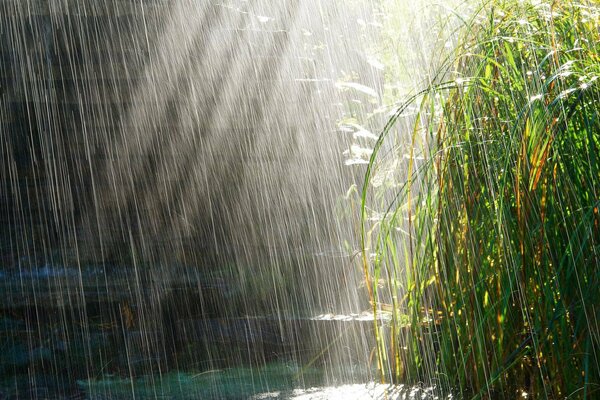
(91, 342)
(276, 381)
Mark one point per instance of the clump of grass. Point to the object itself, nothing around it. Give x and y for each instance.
(487, 236)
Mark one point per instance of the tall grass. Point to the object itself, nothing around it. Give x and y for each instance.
(482, 238)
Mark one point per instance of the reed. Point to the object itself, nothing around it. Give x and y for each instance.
(481, 239)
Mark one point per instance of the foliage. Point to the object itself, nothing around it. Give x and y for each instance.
(486, 232)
